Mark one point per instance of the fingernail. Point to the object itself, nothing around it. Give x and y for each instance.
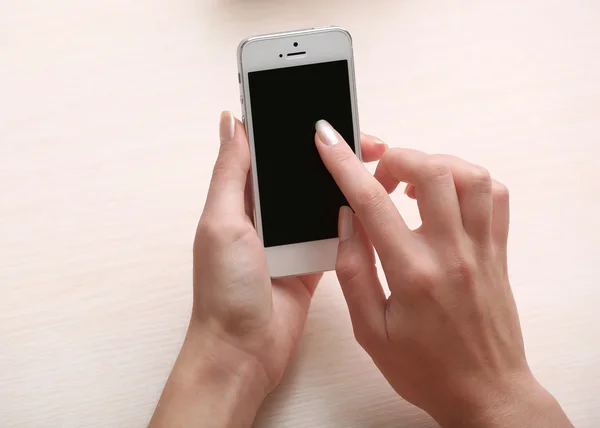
(227, 126)
(407, 188)
(326, 134)
(345, 224)
(381, 143)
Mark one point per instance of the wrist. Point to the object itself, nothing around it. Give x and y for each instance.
(516, 403)
(213, 384)
(214, 361)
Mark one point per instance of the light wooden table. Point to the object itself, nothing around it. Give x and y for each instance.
(108, 132)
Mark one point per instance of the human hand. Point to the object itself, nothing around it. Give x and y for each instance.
(448, 338)
(244, 325)
(234, 297)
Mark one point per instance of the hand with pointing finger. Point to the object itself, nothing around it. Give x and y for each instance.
(448, 338)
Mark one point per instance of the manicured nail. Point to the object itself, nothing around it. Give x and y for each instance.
(326, 134)
(345, 224)
(227, 126)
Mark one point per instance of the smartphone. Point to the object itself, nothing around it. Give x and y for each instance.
(288, 82)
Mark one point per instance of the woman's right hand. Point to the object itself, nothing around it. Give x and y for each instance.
(448, 337)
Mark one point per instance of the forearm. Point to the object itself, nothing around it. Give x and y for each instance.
(210, 386)
(531, 406)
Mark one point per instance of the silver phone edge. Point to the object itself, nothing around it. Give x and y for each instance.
(245, 106)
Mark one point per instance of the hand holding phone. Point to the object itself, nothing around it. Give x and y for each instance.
(244, 325)
(289, 82)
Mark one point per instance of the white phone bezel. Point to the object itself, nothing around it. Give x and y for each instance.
(263, 53)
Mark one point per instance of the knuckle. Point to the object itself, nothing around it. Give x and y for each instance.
(220, 231)
(231, 156)
(480, 178)
(344, 156)
(369, 196)
(422, 279)
(223, 159)
(500, 192)
(436, 168)
(364, 335)
(220, 170)
(348, 268)
(464, 270)
(415, 276)
(206, 230)
(389, 157)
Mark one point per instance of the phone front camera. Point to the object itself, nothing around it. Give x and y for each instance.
(295, 44)
(280, 55)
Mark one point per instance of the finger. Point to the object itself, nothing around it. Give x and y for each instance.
(248, 199)
(368, 198)
(435, 191)
(372, 148)
(357, 273)
(230, 174)
(500, 213)
(474, 188)
(291, 301)
(410, 191)
(249, 190)
(311, 281)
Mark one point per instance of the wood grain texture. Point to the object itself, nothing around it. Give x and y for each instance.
(108, 132)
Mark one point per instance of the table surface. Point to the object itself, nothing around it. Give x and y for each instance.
(108, 132)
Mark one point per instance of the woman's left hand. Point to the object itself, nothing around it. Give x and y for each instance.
(245, 325)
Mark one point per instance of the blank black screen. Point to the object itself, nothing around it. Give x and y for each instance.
(299, 200)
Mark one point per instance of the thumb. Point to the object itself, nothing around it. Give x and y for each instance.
(357, 273)
(228, 183)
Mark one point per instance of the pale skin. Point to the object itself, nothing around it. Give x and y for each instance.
(447, 339)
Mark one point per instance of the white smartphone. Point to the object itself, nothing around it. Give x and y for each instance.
(288, 82)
